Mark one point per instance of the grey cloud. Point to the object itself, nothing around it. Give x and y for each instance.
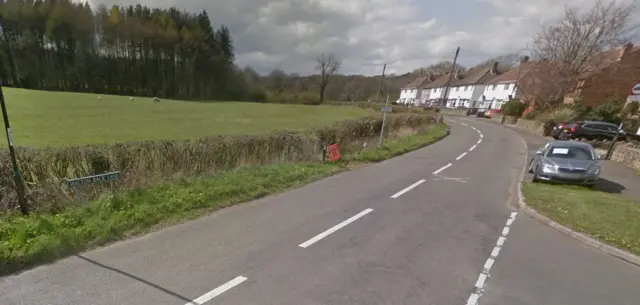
(289, 34)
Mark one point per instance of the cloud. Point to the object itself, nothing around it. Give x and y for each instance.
(405, 34)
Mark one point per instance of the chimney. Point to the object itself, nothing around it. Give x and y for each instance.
(624, 50)
(524, 59)
(494, 68)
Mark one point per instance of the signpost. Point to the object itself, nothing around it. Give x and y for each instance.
(85, 181)
(106, 177)
(386, 109)
(613, 143)
(20, 189)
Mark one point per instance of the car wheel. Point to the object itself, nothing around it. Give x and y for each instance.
(534, 179)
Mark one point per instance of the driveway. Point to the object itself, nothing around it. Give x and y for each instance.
(423, 228)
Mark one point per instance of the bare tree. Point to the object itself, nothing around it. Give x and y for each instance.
(438, 69)
(569, 47)
(327, 64)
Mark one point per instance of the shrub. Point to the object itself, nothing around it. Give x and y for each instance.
(607, 112)
(558, 116)
(531, 115)
(513, 108)
(145, 163)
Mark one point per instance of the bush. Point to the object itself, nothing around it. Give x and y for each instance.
(531, 115)
(146, 163)
(513, 108)
(558, 116)
(607, 112)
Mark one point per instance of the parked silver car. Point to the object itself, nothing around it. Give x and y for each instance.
(568, 162)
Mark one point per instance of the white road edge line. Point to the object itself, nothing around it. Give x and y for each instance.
(479, 141)
(481, 283)
(481, 136)
(473, 147)
(442, 168)
(333, 229)
(461, 156)
(408, 188)
(218, 291)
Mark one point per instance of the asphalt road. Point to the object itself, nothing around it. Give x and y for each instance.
(390, 233)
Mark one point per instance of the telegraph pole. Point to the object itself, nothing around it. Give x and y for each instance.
(12, 152)
(384, 68)
(446, 87)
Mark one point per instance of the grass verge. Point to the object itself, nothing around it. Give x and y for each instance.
(43, 238)
(402, 145)
(611, 218)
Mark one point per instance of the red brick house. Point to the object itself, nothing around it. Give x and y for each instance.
(613, 74)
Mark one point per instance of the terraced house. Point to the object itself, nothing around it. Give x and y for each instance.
(466, 89)
(411, 93)
(504, 87)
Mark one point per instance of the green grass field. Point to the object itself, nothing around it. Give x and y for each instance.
(41, 118)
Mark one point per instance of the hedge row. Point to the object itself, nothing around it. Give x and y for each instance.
(45, 171)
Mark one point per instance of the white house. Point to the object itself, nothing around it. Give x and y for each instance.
(466, 90)
(436, 89)
(503, 88)
(410, 94)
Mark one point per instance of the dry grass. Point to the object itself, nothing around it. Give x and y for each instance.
(147, 163)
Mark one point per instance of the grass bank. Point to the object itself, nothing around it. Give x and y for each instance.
(611, 218)
(401, 145)
(60, 119)
(43, 238)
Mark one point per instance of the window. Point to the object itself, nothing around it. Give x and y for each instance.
(493, 88)
(576, 153)
(466, 88)
(455, 89)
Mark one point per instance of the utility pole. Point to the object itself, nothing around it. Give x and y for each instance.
(446, 87)
(384, 68)
(12, 152)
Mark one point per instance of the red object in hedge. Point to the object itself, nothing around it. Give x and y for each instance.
(333, 152)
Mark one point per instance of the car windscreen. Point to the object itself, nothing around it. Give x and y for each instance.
(576, 153)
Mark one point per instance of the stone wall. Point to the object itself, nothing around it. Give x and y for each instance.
(627, 155)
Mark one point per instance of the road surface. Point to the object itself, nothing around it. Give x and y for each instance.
(424, 228)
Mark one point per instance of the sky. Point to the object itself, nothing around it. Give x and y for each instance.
(365, 34)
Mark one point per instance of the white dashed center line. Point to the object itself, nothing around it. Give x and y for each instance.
(333, 229)
(461, 156)
(481, 283)
(442, 168)
(218, 291)
(408, 188)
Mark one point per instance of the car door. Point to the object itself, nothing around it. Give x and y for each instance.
(589, 130)
(535, 161)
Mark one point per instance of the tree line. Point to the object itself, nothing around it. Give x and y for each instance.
(130, 50)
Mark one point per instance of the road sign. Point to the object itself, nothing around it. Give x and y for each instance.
(633, 98)
(112, 176)
(636, 89)
(386, 109)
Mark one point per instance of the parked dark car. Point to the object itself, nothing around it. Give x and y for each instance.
(558, 129)
(590, 130)
(472, 111)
